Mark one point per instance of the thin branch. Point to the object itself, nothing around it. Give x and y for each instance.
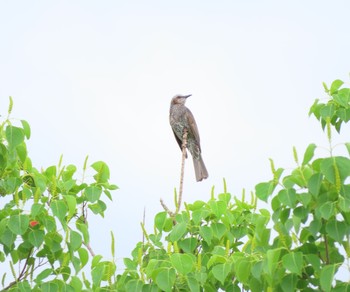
(143, 222)
(326, 246)
(22, 274)
(184, 145)
(171, 214)
(87, 245)
(179, 199)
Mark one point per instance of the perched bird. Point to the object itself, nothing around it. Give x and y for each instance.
(181, 118)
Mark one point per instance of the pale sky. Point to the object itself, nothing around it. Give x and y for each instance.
(96, 78)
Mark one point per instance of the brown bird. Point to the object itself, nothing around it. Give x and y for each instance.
(181, 118)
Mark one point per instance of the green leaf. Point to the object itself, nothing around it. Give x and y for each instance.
(26, 128)
(59, 209)
(225, 197)
(326, 210)
(344, 204)
(219, 230)
(37, 209)
(315, 227)
(188, 245)
(23, 286)
(178, 231)
(40, 181)
(309, 153)
(288, 197)
(72, 204)
(11, 184)
(93, 193)
(96, 260)
(326, 277)
(98, 208)
(183, 263)
(193, 283)
(68, 173)
(216, 259)
(199, 215)
(50, 223)
(97, 275)
(134, 285)
(102, 169)
(82, 227)
(342, 97)
(22, 152)
(49, 287)
(83, 256)
(271, 260)
(76, 283)
(65, 272)
(217, 207)
(293, 262)
(36, 237)
(327, 111)
(7, 237)
(243, 270)
(315, 109)
(18, 224)
(14, 136)
(75, 240)
(289, 283)
(43, 275)
(197, 205)
(264, 190)
(130, 264)
(314, 260)
(314, 184)
(337, 230)
(329, 166)
(160, 220)
(166, 279)
(343, 114)
(336, 84)
(221, 272)
(207, 233)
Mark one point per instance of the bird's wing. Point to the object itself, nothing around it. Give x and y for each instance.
(179, 142)
(193, 127)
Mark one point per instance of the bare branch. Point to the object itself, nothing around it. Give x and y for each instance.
(184, 145)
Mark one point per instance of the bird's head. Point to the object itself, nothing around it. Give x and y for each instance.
(179, 99)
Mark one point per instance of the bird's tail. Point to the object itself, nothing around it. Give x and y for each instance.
(200, 169)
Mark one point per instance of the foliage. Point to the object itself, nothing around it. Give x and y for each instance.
(44, 231)
(230, 244)
(298, 243)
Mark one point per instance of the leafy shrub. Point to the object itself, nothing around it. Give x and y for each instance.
(44, 230)
(227, 243)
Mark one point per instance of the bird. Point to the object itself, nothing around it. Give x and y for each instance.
(181, 118)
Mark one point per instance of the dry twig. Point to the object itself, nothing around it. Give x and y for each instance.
(179, 199)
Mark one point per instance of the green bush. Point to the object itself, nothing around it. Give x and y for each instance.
(298, 243)
(229, 244)
(44, 230)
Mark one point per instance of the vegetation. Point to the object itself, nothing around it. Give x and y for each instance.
(299, 243)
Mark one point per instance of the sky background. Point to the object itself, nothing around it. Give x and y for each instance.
(96, 78)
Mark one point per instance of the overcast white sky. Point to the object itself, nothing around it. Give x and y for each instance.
(96, 78)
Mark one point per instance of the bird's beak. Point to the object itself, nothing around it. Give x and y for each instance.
(185, 96)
